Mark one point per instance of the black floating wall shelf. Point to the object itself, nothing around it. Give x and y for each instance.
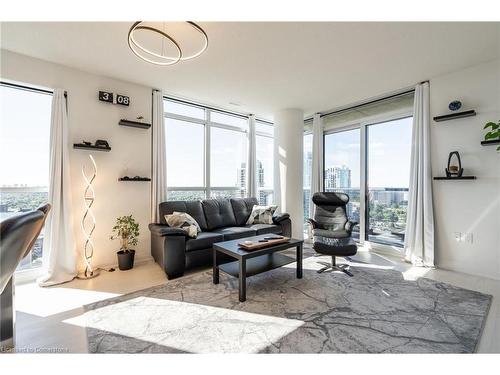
(134, 124)
(453, 116)
(491, 142)
(135, 179)
(81, 146)
(456, 178)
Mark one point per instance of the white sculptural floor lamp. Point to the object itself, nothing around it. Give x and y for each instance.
(88, 222)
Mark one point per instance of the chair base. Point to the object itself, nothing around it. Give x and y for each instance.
(334, 267)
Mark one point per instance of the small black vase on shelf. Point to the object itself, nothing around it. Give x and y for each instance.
(454, 170)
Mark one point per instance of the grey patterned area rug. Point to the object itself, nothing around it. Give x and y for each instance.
(376, 311)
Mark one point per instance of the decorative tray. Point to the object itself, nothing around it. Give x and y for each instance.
(255, 245)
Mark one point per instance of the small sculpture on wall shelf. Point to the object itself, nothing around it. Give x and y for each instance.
(455, 105)
(454, 170)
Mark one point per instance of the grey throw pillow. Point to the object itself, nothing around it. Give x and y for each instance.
(184, 221)
(262, 215)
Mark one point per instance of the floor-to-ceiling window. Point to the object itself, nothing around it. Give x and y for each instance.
(342, 169)
(367, 155)
(207, 153)
(307, 170)
(264, 150)
(228, 155)
(24, 154)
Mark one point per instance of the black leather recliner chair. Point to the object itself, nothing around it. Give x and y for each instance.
(332, 230)
(18, 234)
(219, 219)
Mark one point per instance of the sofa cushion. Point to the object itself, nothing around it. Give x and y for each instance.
(193, 208)
(242, 208)
(233, 233)
(205, 240)
(218, 213)
(265, 228)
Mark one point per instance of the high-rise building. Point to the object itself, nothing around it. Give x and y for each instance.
(337, 178)
(263, 195)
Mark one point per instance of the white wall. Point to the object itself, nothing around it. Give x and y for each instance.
(467, 206)
(89, 120)
(288, 165)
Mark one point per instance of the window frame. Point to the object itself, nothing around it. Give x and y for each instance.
(362, 125)
(208, 125)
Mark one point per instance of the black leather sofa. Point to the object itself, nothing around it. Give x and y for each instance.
(219, 219)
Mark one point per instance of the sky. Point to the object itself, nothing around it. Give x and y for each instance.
(24, 137)
(185, 154)
(389, 147)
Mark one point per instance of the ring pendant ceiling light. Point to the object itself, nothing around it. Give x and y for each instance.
(153, 57)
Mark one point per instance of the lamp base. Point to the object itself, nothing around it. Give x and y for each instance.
(88, 275)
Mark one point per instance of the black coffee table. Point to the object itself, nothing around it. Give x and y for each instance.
(249, 263)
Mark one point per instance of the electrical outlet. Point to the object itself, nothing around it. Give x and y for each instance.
(458, 236)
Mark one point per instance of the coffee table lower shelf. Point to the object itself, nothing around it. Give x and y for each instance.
(257, 265)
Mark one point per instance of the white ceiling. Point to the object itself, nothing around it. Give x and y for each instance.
(270, 66)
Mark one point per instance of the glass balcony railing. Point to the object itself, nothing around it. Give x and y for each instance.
(386, 215)
(17, 199)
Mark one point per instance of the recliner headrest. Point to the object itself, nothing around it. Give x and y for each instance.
(330, 199)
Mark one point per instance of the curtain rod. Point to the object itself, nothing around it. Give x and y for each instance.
(29, 88)
(213, 108)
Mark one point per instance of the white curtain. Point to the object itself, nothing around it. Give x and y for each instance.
(59, 257)
(419, 239)
(159, 156)
(252, 161)
(317, 159)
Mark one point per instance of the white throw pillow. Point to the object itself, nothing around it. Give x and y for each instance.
(262, 215)
(184, 221)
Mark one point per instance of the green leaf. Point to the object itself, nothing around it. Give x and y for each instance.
(491, 125)
(491, 135)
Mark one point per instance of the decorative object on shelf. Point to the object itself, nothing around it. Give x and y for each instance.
(454, 170)
(455, 105)
(493, 136)
(88, 222)
(127, 230)
(100, 145)
(455, 115)
(142, 35)
(136, 178)
(134, 124)
(108, 97)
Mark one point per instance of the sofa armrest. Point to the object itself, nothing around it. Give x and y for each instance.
(163, 230)
(313, 223)
(349, 226)
(277, 219)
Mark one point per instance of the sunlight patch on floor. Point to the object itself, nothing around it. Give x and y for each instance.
(187, 326)
(43, 302)
(414, 273)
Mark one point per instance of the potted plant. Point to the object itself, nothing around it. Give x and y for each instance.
(127, 230)
(494, 133)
